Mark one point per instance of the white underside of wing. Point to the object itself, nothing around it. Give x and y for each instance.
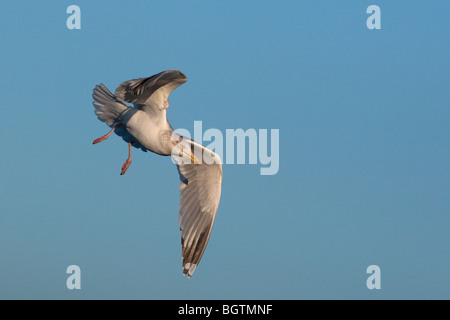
(200, 191)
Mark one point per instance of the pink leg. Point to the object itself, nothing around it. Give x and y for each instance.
(128, 162)
(106, 136)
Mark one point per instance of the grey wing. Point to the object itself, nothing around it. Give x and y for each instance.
(152, 92)
(200, 191)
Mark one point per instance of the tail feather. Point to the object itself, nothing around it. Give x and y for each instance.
(107, 108)
(111, 111)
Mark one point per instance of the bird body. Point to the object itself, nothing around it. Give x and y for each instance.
(144, 125)
(151, 133)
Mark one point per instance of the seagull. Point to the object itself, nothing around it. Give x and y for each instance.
(145, 126)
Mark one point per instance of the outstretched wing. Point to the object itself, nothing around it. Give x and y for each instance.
(152, 93)
(199, 199)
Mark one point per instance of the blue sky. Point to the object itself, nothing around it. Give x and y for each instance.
(364, 159)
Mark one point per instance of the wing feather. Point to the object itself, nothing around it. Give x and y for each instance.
(151, 94)
(200, 191)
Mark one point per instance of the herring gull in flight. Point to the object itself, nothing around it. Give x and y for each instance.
(145, 126)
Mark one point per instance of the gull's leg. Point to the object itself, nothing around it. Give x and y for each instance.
(106, 136)
(128, 162)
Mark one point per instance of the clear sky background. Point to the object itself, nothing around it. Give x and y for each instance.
(364, 149)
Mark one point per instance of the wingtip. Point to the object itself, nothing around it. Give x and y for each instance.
(188, 269)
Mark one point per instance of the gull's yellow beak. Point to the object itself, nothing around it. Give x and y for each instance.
(190, 156)
(194, 159)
